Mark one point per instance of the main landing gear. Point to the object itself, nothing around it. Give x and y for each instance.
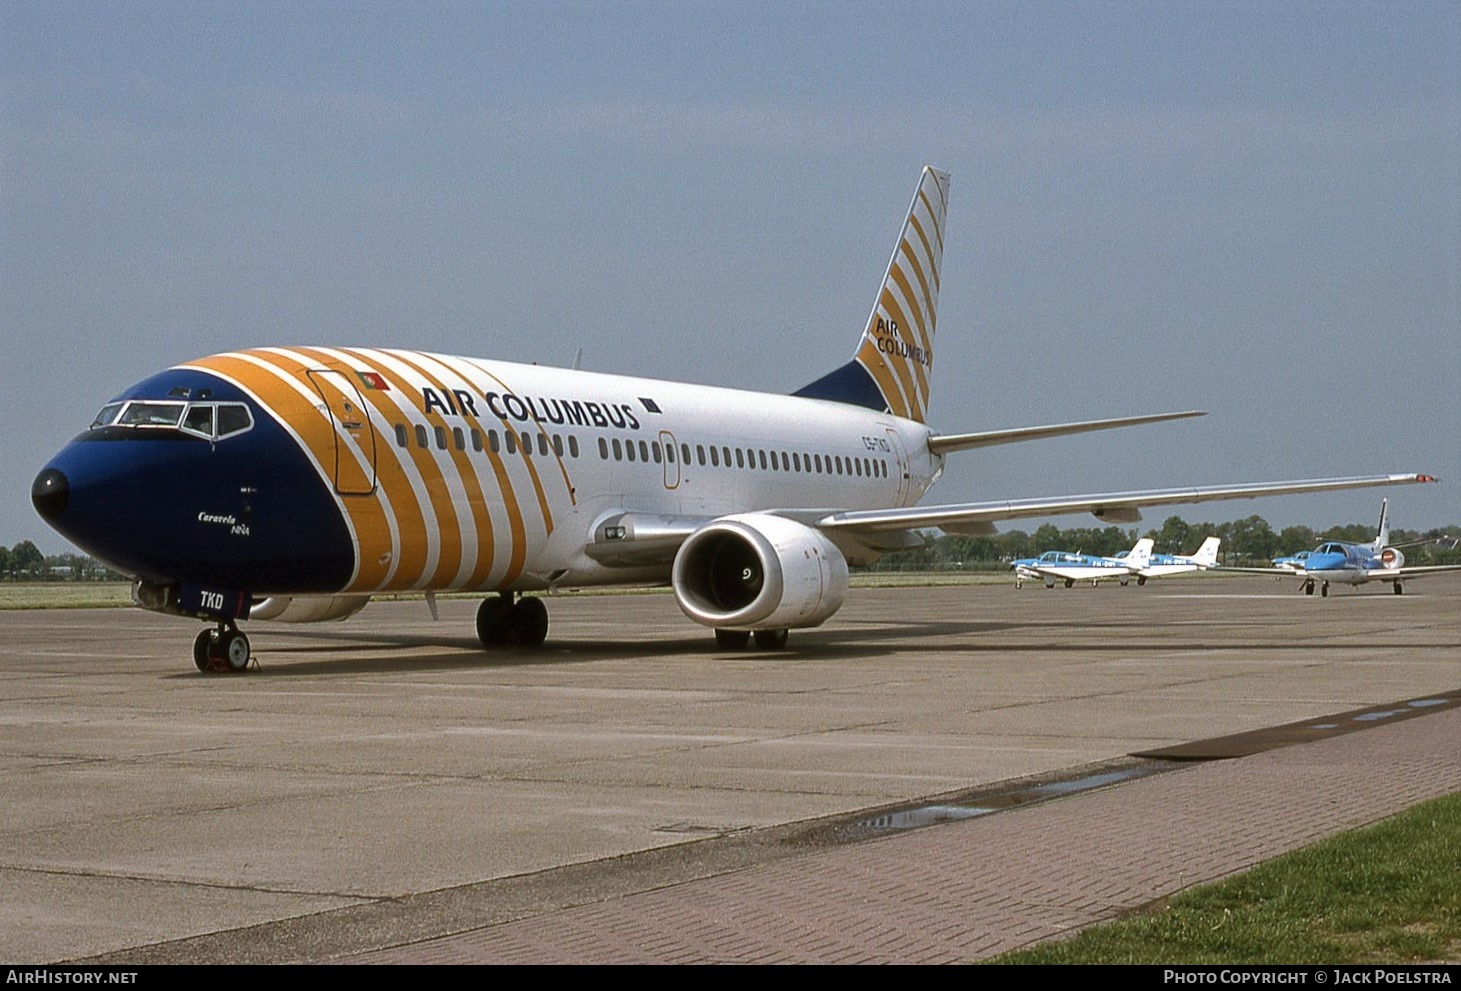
(501, 622)
(740, 639)
(1309, 588)
(222, 649)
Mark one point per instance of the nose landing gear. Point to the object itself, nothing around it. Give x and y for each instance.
(222, 650)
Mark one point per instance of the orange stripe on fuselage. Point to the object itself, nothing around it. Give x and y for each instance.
(476, 494)
(376, 516)
(401, 563)
(528, 460)
(288, 395)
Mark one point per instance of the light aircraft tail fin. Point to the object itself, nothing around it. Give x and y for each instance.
(1382, 534)
(1206, 555)
(894, 359)
(1140, 554)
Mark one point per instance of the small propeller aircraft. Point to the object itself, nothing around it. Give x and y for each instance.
(1166, 565)
(1354, 564)
(1063, 566)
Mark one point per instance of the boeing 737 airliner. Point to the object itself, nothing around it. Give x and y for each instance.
(292, 483)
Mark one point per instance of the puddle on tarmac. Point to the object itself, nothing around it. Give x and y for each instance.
(918, 816)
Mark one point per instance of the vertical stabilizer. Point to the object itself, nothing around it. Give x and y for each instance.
(894, 359)
(1382, 534)
(1206, 555)
(1140, 554)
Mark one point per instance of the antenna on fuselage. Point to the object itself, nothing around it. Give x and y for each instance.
(578, 360)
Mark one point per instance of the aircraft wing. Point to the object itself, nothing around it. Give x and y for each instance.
(1384, 574)
(1276, 572)
(1112, 507)
(630, 539)
(1373, 574)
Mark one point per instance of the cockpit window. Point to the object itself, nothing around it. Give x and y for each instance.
(143, 414)
(108, 415)
(199, 420)
(233, 418)
(210, 421)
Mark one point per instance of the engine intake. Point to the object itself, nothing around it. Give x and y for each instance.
(759, 572)
(1390, 557)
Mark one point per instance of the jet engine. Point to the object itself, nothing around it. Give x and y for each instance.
(759, 572)
(1390, 557)
(308, 608)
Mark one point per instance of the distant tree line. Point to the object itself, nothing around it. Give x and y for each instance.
(25, 562)
(1249, 541)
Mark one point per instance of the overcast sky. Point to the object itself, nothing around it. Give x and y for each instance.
(1253, 209)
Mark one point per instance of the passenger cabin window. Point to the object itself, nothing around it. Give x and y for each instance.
(401, 438)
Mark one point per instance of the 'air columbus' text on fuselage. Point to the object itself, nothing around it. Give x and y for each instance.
(507, 405)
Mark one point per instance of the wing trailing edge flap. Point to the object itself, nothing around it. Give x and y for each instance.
(1117, 507)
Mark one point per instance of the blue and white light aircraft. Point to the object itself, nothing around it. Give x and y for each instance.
(1354, 564)
(293, 483)
(1166, 565)
(1063, 566)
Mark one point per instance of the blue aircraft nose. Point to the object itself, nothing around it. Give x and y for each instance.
(50, 493)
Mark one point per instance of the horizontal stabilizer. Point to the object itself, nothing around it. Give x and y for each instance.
(963, 442)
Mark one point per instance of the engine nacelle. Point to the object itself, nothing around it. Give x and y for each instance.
(1391, 557)
(759, 572)
(308, 608)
